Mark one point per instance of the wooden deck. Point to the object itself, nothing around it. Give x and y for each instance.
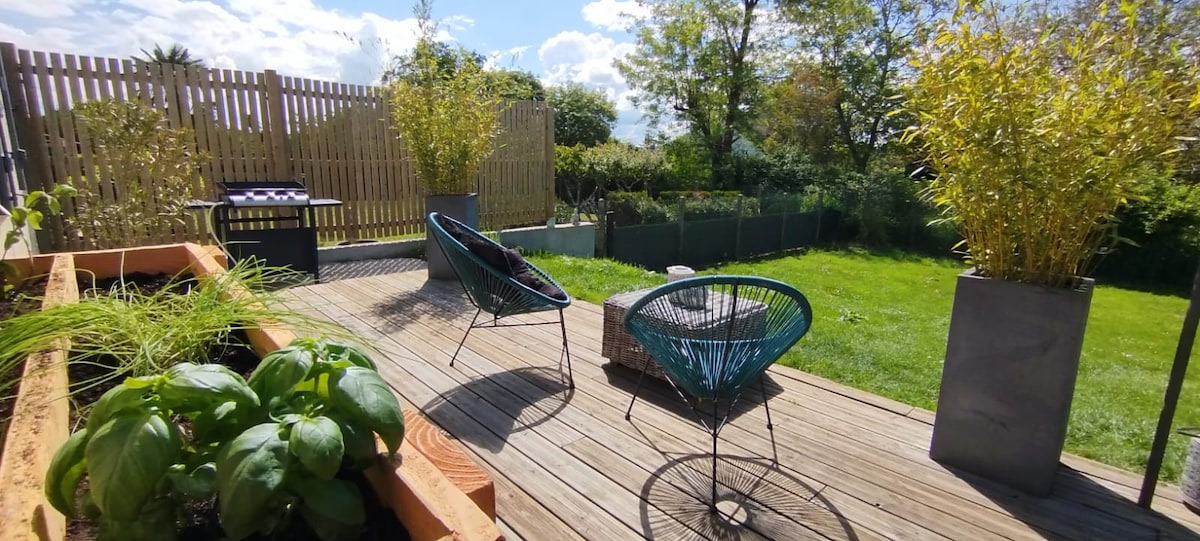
(567, 465)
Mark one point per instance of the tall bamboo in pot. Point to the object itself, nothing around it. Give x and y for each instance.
(1037, 132)
(448, 120)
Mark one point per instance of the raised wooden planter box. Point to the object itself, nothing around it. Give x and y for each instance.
(430, 504)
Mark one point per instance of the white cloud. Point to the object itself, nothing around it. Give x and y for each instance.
(587, 59)
(45, 9)
(573, 56)
(293, 37)
(613, 15)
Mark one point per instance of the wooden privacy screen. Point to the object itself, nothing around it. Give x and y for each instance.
(335, 138)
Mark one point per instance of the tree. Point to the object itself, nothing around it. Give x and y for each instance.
(695, 60)
(860, 49)
(503, 83)
(581, 116)
(515, 85)
(798, 112)
(444, 59)
(175, 54)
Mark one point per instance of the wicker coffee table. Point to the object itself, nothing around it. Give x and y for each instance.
(621, 348)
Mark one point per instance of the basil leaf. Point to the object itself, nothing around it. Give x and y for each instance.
(328, 529)
(194, 387)
(339, 351)
(113, 402)
(126, 458)
(336, 499)
(280, 371)
(318, 444)
(66, 468)
(200, 483)
(250, 471)
(368, 400)
(359, 443)
(222, 422)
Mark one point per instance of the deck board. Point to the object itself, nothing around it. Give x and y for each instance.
(567, 465)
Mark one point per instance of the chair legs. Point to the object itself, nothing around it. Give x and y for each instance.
(464, 338)
(636, 390)
(762, 383)
(562, 322)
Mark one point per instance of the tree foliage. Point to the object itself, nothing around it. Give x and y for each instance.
(696, 60)
(581, 116)
(175, 54)
(503, 83)
(1039, 133)
(860, 51)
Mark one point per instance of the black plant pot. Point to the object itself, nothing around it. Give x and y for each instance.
(1011, 359)
(464, 208)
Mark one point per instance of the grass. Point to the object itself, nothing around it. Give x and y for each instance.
(880, 323)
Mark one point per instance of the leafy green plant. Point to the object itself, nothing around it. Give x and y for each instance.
(134, 144)
(448, 120)
(1038, 132)
(137, 334)
(269, 448)
(28, 214)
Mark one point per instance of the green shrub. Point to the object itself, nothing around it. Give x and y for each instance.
(630, 208)
(669, 196)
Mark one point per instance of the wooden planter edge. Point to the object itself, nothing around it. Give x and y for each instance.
(431, 504)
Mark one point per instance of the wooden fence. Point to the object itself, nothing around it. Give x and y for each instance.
(336, 138)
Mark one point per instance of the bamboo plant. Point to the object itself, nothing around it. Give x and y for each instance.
(446, 117)
(1037, 131)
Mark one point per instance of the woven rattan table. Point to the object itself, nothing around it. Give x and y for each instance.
(621, 348)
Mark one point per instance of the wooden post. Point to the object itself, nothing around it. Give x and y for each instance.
(276, 126)
(548, 138)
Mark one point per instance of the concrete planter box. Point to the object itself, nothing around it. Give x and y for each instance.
(566, 239)
(428, 502)
(1011, 359)
(464, 208)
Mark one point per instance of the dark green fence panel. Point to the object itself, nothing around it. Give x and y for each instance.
(800, 230)
(707, 242)
(760, 235)
(652, 246)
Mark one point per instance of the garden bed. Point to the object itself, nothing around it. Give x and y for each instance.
(428, 503)
(25, 298)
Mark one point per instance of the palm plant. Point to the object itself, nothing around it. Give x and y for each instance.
(175, 54)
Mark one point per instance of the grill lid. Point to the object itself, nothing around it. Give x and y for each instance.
(285, 193)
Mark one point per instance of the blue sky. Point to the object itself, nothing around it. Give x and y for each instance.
(558, 41)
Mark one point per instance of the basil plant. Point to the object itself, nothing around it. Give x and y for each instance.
(269, 448)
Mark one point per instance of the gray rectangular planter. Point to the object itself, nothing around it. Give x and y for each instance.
(464, 208)
(1011, 359)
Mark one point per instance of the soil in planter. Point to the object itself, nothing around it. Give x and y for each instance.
(22, 300)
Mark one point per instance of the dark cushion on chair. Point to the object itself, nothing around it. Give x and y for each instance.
(523, 274)
(490, 253)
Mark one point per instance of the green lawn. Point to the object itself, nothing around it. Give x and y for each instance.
(880, 325)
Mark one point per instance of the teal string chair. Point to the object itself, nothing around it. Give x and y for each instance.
(713, 336)
(499, 293)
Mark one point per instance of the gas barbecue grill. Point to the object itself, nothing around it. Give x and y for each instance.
(284, 232)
